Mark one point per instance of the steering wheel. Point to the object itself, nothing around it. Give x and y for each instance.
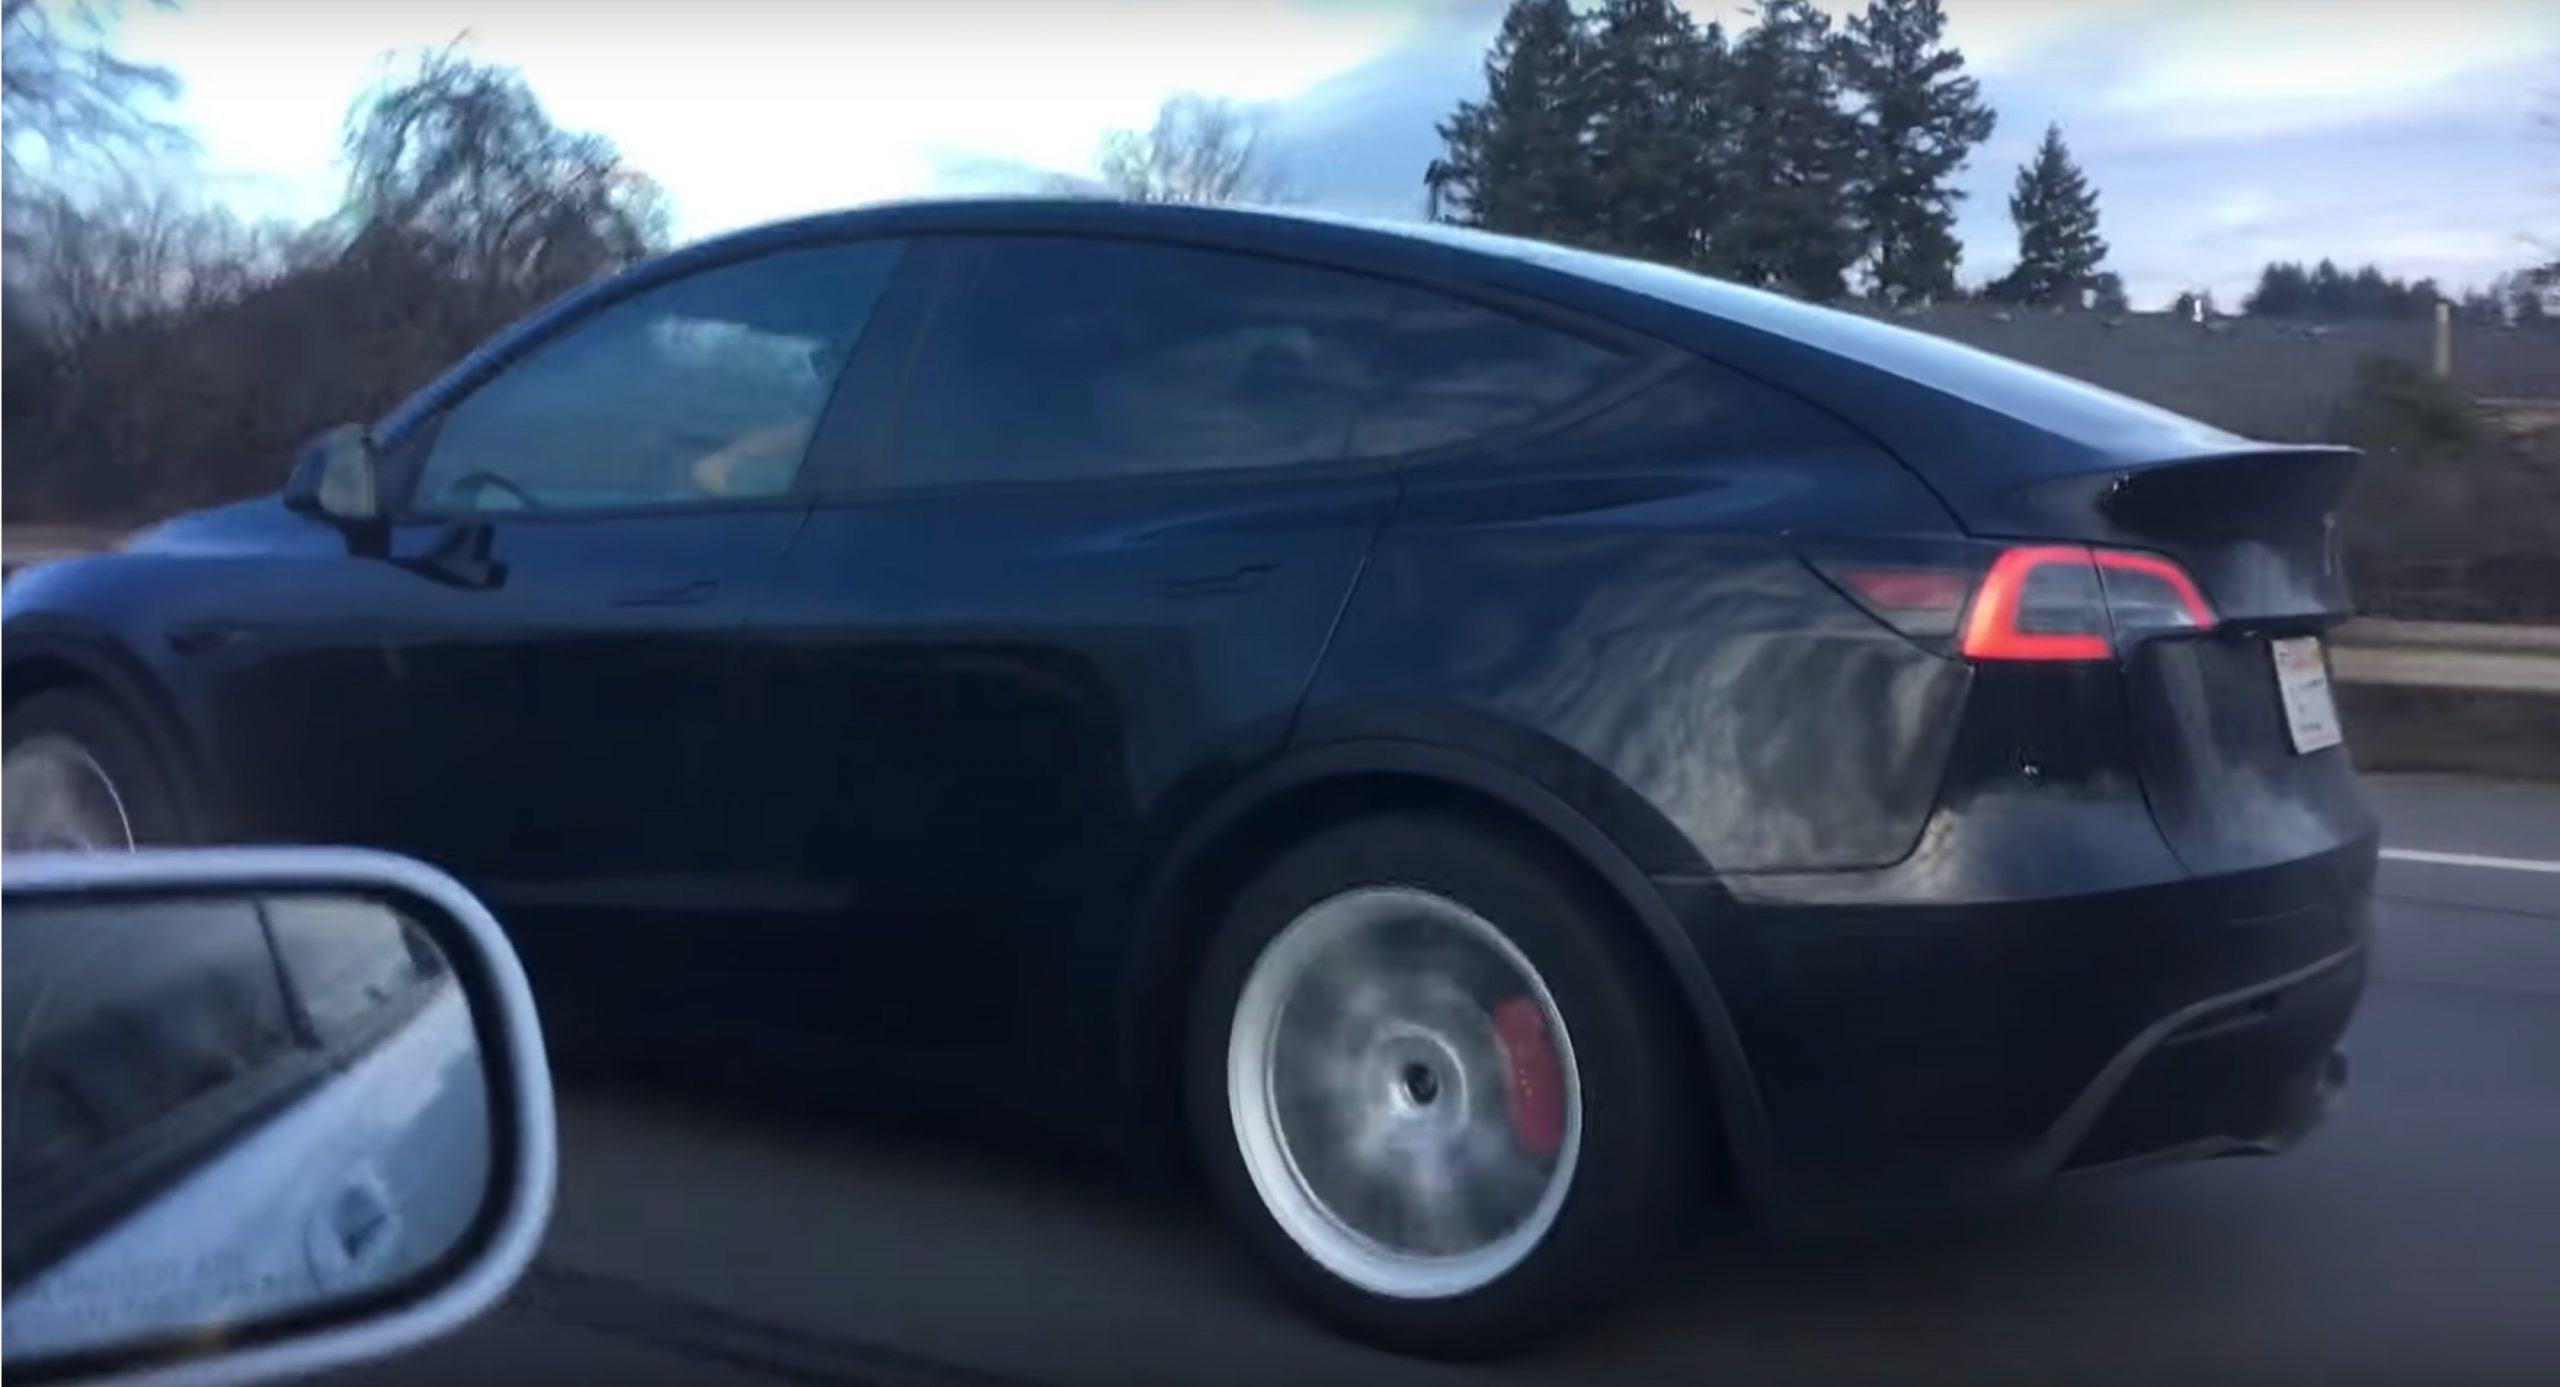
(482, 479)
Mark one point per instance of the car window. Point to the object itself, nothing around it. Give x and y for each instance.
(1069, 358)
(703, 388)
(1451, 371)
(125, 1034)
(354, 966)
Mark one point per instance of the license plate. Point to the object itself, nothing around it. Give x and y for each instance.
(2302, 680)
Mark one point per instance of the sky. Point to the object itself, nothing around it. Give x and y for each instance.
(2219, 133)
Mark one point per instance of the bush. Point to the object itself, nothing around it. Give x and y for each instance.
(2396, 409)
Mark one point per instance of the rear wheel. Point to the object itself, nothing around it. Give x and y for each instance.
(1430, 1088)
(78, 777)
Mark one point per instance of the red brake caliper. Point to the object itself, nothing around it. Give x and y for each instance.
(1537, 1077)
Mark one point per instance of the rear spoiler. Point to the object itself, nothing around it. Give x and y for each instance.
(2258, 527)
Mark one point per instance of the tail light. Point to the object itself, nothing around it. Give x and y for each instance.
(2047, 602)
(2065, 602)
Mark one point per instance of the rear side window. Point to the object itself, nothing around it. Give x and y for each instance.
(1067, 358)
(1452, 371)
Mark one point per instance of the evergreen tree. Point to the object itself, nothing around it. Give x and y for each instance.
(1790, 226)
(2288, 290)
(1516, 161)
(2056, 212)
(2107, 295)
(1921, 119)
(1656, 133)
(2284, 291)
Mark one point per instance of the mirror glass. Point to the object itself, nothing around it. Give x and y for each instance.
(225, 1110)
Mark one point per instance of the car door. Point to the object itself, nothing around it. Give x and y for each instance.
(541, 653)
(1077, 580)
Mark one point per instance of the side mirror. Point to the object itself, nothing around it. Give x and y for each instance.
(269, 1111)
(337, 475)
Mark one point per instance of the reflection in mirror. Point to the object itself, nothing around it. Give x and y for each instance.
(224, 1110)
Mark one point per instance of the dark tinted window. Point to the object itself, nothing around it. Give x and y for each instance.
(1068, 358)
(1451, 371)
(705, 387)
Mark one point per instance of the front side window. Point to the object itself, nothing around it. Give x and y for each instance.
(701, 389)
(1067, 358)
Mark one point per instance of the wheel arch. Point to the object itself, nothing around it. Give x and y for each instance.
(1285, 802)
(49, 657)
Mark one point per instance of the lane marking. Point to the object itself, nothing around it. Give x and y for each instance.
(2465, 859)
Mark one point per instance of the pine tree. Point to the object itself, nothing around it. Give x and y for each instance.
(2107, 295)
(1921, 119)
(1515, 161)
(1655, 131)
(1790, 226)
(2056, 212)
(2284, 291)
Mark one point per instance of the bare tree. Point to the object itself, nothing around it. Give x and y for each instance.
(458, 163)
(1201, 149)
(171, 355)
(64, 93)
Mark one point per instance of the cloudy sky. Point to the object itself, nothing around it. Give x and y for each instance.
(2220, 133)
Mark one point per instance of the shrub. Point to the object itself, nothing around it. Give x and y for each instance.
(2397, 409)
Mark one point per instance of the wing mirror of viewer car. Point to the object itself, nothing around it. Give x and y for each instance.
(267, 1112)
(337, 475)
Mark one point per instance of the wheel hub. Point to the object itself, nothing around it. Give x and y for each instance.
(59, 799)
(1377, 1074)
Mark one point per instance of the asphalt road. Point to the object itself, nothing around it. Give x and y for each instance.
(2416, 1237)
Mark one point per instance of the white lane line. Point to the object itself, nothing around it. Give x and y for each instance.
(2465, 859)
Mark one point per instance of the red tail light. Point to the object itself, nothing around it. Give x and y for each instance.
(2068, 602)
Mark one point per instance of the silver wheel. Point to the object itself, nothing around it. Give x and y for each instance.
(1404, 1093)
(55, 797)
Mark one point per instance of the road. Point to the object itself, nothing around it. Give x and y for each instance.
(2417, 1236)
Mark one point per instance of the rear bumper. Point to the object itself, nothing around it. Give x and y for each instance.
(1908, 1057)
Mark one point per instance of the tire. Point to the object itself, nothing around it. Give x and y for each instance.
(1620, 1167)
(87, 732)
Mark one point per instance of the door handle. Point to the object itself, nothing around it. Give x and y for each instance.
(1243, 579)
(678, 595)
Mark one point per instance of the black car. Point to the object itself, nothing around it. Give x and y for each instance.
(1500, 741)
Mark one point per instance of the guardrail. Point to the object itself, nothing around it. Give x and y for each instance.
(2445, 654)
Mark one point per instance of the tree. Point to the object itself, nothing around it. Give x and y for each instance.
(1657, 141)
(458, 166)
(66, 99)
(2056, 212)
(1793, 150)
(1516, 161)
(1200, 149)
(2286, 289)
(1920, 120)
(2106, 294)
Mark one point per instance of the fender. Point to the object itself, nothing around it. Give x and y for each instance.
(98, 658)
(1745, 1123)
